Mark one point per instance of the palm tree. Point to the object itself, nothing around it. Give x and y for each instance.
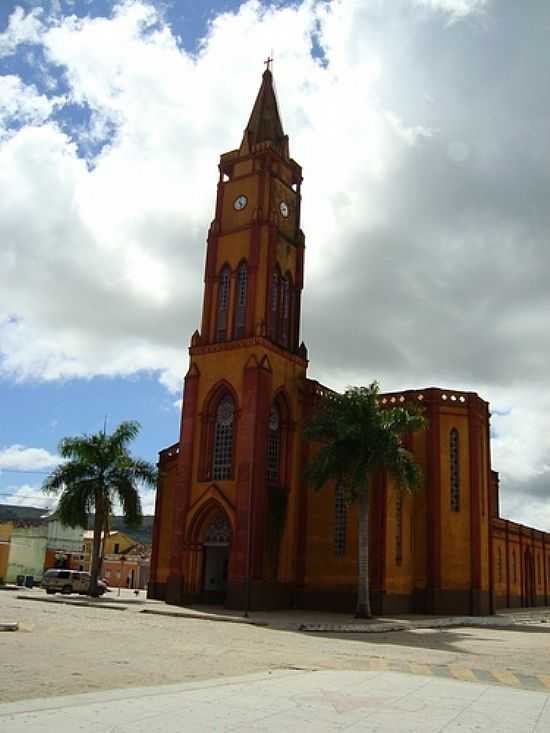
(358, 439)
(99, 472)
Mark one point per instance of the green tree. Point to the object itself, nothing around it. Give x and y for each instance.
(98, 473)
(359, 438)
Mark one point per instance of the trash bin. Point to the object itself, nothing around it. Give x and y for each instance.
(29, 581)
(20, 580)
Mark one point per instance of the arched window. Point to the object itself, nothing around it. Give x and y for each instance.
(274, 446)
(454, 464)
(218, 531)
(274, 306)
(223, 304)
(222, 455)
(340, 521)
(240, 306)
(399, 528)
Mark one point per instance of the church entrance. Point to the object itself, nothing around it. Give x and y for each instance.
(215, 547)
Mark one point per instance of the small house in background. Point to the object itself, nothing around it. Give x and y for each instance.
(125, 564)
(115, 543)
(39, 544)
(129, 569)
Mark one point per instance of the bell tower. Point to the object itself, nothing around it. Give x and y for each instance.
(257, 222)
(237, 464)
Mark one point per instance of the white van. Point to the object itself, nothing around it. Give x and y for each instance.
(69, 581)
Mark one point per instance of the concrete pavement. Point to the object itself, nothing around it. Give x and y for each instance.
(291, 700)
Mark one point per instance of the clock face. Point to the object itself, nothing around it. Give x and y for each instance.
(283, 207)
(240, 202)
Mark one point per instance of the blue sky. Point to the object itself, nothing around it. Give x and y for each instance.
(38, 413)
(421, 126)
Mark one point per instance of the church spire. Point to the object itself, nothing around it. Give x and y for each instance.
(265, 124)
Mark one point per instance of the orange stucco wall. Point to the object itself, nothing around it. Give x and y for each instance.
(5, 537)
(455, 526)
(521, 565)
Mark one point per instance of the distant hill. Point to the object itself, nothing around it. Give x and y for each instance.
(9, 512)
(143, 535)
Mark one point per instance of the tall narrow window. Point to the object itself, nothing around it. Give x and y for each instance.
(222, 462)
(285, 312)
(454, 462)
(499, 564)
(539, 571)
(274, 306)
(399, 528)
(274, 446)
(514, 571)
(340, 521)
(240, 312)
(223, 304)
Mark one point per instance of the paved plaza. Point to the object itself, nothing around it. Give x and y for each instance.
(124, 665)
(291, 701)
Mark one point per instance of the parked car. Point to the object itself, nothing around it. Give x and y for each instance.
(69, 581)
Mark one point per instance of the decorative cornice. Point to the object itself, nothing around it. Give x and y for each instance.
(246, 343)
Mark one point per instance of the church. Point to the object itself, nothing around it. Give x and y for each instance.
(236, 522)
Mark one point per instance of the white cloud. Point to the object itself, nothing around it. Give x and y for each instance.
(148, 502)
(425, 198)
(22, 28)
(27, 495)
(23, 104)
(456, 8)
(20, 458)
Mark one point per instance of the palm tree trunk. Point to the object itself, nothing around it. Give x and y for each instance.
(106, 531)
(363, 597)
(99, 522)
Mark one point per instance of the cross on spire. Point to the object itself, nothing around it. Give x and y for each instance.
(268, 62)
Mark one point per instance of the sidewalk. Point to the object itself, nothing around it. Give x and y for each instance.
(294, 619)
(291, 701)
(338, 623)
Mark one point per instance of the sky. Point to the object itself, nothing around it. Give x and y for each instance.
(422, 129)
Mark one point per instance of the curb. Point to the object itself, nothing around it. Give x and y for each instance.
(205, 617)
(84, 604)
(378, 628)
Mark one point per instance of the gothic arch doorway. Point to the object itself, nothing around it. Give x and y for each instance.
(216, 541)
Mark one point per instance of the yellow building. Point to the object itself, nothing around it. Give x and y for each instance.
(115, 543)
(235, 521)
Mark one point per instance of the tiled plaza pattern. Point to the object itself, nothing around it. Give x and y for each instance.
(465, 674)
